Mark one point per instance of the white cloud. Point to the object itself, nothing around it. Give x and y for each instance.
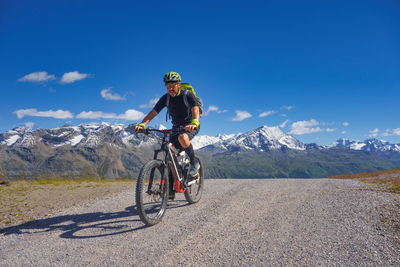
(41, 76)
(58, 114)
(344, 132)
(283, 124)
(95, 115)
(311, 126)
(241, 115)
(29, 125)
(389, 132)
(374, 132)
(214, 109)
(287, 107)
(130, 115)
(305, 127)
(266, 113)
(108, 95)
(345, 124)
(151, 103)
(71, 77)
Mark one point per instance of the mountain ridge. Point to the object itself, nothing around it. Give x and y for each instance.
(114, 151)
(264, 137)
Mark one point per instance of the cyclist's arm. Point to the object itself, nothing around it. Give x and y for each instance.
(161, 103)
(157, 108)
(194, 108)
(149, 117)
(146, 120)
(196, 113)
(195, 119)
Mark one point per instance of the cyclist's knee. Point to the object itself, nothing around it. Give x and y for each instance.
(184, 140)
(183, 137)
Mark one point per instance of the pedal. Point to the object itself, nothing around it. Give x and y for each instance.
(193, 180)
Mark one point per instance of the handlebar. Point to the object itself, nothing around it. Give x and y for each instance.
(180, 129)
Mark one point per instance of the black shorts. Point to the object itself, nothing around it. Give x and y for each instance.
(174, 138)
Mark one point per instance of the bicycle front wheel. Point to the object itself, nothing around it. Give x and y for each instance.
(194, 191)
(152, 192)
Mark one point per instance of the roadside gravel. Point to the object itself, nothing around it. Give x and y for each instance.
(238, 222)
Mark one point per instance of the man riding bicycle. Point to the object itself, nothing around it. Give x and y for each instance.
(184, 112)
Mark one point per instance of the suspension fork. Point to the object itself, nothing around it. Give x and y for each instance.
(163, 177)
(152, 175)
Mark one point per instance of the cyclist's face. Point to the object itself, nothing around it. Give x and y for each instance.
(173, 88)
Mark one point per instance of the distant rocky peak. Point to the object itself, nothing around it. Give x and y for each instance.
(20, 130)
(264, 138)
(371, 144)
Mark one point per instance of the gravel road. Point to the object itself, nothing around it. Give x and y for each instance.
(237, 223)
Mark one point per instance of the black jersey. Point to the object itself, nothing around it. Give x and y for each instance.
(180, 113)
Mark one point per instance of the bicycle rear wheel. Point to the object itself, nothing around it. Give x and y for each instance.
(193, 192)
(152, 192)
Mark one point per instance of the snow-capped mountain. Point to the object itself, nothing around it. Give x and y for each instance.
(113, 151)
(372, 145)
(200, 141)
(93, 135)
(85, 135)
(22, 136)
(263, 139)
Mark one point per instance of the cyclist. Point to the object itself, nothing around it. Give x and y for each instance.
(189, 117)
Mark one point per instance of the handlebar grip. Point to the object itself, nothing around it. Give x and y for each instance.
(179, 129)
(144, 131)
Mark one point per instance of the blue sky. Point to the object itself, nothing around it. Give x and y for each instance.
(322, 70)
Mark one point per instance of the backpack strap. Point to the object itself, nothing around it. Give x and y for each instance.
(185, 92)
(185, 100)
(168, 113)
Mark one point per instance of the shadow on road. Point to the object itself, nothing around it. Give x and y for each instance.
(87, 225)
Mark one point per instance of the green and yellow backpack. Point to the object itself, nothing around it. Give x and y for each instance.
(184, 89)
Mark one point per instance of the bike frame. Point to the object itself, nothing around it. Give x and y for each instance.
(170, 160)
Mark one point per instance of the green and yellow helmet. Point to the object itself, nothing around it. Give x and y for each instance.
(172, 77)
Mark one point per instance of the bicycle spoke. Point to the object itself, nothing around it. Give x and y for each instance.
(151, 197)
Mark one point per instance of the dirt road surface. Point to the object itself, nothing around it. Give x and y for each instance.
(295, 222)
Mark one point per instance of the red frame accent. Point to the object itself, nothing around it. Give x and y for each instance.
(178, 188)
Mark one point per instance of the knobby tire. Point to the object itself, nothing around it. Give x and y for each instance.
(151, 207)
(193, 193)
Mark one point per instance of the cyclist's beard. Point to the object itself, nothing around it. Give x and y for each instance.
(172, 93)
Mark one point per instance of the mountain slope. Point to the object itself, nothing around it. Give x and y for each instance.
(91, 150)
(295, 164)
(112, 151)
(261, 139)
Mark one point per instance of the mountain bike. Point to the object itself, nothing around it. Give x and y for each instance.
(152, 186)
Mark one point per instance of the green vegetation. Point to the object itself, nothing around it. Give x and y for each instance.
(292, 164)
(109, 161)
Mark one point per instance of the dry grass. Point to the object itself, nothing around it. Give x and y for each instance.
(24, 200)
(390, 179)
